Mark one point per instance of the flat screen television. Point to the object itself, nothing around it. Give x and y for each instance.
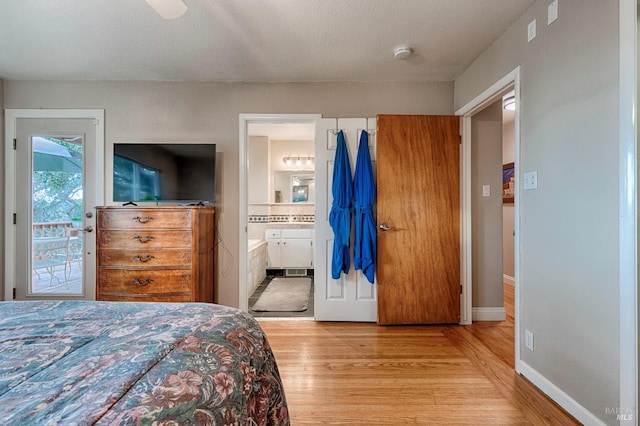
(166, 172)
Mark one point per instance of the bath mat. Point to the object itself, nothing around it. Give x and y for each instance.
(284, 295)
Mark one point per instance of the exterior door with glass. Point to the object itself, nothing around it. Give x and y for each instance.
(56, 191)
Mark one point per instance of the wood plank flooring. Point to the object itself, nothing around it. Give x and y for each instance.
(364, 374)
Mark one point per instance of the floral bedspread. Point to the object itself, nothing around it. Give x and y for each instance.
(125, 363)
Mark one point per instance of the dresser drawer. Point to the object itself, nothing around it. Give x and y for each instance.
(143, 258)
(144, 219)
(143, 282)
(146, 239)
(148, 298)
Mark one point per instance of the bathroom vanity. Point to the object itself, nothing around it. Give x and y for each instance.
(289, 249)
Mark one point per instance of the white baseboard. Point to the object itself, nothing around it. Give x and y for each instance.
(489, 314)
(508, 279)
(267, 319)
(581, 414)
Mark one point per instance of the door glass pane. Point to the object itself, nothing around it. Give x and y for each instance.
(56, 199)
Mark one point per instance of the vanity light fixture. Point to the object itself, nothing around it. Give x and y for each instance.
(309, 160)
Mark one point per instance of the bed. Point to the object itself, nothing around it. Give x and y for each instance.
(127, 363)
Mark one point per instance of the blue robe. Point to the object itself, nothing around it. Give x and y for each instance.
(365, 225)
(340, 215)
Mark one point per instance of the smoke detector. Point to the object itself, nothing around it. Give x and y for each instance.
(402, 53)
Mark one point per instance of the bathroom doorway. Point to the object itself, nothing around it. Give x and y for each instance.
(279, 220)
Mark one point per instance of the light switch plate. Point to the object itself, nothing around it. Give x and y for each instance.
(552, 12)
(530, 180)
(531, 30)
(486, 190)
(528, 340)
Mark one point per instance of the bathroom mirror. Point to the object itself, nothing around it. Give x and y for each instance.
(294, 186)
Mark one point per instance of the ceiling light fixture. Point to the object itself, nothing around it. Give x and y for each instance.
(168, 9)
(402, 53)
(509, 103)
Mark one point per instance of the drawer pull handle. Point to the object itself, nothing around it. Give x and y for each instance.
(143, 240)
(140, 283)
(143, 219)
(143, 259)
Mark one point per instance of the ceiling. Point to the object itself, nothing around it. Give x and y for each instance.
(249, 40)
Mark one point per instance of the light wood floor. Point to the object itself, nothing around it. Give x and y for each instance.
(364, 374)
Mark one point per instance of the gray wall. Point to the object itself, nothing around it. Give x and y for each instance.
(189, 111)
(508, 239)
(569, 225)
(486, 222)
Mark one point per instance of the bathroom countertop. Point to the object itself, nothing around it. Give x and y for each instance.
(289, 224)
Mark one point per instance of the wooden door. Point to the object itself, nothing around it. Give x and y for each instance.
(418, 182)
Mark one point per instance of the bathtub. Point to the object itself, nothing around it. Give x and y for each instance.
(256, 264)
(254, 244)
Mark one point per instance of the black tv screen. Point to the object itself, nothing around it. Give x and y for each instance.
(164, 172)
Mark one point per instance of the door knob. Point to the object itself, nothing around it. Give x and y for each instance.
(88, 228)
(385, 227)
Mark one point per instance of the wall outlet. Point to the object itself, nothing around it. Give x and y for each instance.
(530, 180)
(528, 340)
(531, 30)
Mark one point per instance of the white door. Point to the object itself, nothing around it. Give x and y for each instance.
(274, 253)
(351, 297)
(56, 189)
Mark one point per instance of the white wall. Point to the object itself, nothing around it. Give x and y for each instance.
(259, 170)
(280, 148)
(568, 226)
(196, 111)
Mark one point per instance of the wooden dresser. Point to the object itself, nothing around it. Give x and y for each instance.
(159, 254)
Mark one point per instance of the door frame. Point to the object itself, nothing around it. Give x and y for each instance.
(11, 117)
(490, 95)
(243, 222)
(628, 202)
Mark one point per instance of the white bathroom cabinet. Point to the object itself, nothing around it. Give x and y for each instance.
(289, 248)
